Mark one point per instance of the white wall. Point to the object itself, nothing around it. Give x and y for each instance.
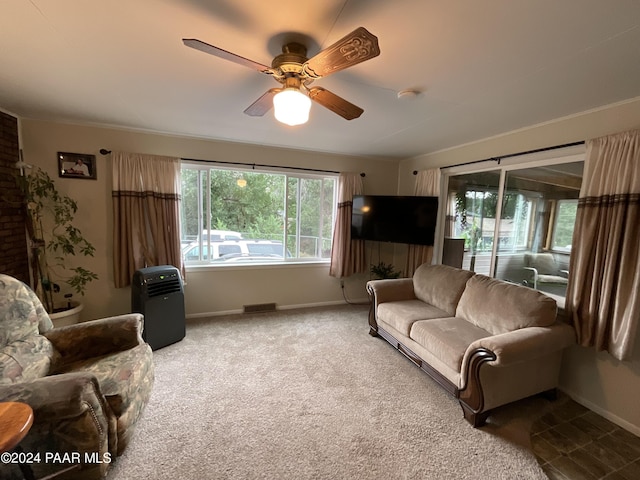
(598, 381)
(208, 290)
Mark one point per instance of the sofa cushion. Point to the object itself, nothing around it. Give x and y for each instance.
(440, 285)
(447, 338)
(501, 307)
(401, 314)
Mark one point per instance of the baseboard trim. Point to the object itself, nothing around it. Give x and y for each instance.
(278, 307)
(220, 313)
(621, 422)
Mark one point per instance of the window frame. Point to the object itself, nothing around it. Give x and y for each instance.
(204, 178)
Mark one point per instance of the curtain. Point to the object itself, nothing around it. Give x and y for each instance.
(146, 214)
(603, 295)
(347, 256)
(427, 185)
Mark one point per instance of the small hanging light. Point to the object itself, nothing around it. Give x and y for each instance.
(291, 105)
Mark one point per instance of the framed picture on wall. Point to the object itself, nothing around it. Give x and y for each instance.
(77, 165)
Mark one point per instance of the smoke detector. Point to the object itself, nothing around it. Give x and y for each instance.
(408, 94)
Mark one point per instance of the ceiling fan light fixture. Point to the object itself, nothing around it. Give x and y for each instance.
(291, 106)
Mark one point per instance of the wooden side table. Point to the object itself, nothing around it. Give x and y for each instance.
(16, 419)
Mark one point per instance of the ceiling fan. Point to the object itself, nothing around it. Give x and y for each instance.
(296, 72)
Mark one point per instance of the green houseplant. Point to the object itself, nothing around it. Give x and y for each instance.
(383, 270)
(53, 240)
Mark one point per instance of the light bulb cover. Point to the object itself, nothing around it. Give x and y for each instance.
(291, 106)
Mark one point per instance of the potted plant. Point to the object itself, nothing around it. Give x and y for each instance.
(383, 270)
(53, 239)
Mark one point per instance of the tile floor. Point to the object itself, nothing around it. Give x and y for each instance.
(571, 442)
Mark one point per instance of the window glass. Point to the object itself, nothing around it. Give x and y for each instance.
(564, 221)
(473, 199)
(258, 216)
(532, 228)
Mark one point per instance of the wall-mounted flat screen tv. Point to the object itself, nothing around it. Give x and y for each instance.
(397, 219)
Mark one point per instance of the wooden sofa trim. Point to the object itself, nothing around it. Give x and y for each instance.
(471, 397)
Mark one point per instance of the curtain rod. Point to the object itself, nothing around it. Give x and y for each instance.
(498, 159)
(104, 151)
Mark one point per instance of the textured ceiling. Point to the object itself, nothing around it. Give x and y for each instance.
(482, 67)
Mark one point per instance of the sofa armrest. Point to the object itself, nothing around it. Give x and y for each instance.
(97, 337)
(502, 350)
(391, 290)
(524, 344)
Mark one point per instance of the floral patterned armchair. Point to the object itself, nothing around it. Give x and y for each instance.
(87, 383)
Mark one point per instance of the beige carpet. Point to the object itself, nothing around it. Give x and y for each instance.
(308, 394)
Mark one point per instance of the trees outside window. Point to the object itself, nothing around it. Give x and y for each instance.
(258, 211)
(565, 220)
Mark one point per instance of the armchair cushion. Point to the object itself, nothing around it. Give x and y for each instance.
(26, 359)
(21, 311)
(544, 263)
(24, 354)
(552, 279)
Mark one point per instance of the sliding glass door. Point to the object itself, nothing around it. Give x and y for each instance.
(473, 199)
(517, 221)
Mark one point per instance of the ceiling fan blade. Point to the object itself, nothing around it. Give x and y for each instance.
(220, 53)
(335, 103)
(356, 47)
(263, 104)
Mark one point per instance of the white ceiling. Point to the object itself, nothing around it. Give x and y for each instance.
(483, 67)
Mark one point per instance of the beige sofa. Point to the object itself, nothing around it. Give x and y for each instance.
(485, 341)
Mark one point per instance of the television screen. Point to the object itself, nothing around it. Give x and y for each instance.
(397, 219)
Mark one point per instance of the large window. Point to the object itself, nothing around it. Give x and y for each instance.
(230, 216)
(517, 221)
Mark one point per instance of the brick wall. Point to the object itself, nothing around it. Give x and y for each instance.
(13, 253)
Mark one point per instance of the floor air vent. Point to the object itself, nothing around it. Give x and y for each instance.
(260, 307)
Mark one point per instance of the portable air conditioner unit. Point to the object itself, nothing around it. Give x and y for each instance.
(157, 293)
